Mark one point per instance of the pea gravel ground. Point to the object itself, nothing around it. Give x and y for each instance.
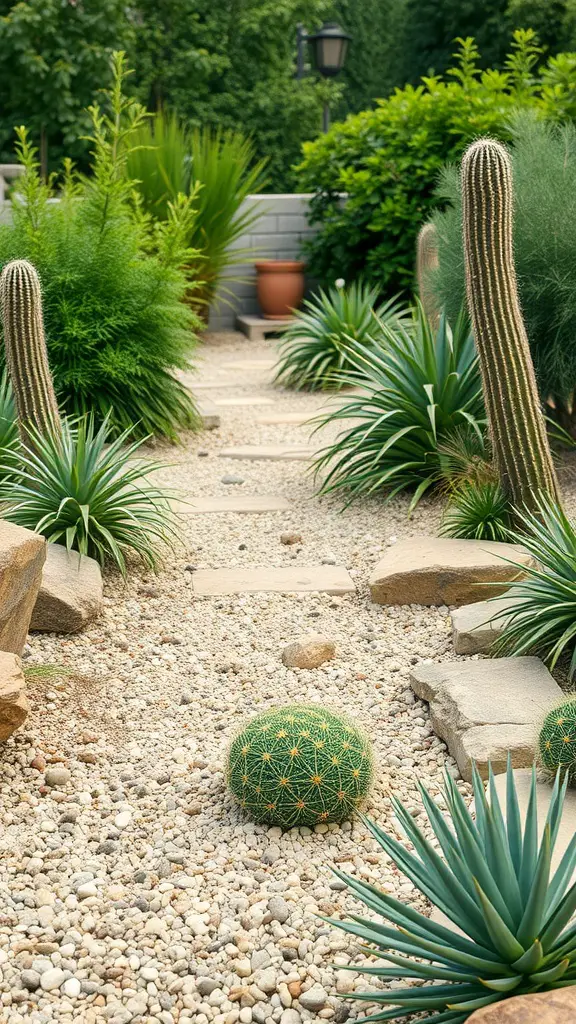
(131, 887)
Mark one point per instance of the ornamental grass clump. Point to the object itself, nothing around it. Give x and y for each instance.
(492, 877)
(557, 740)
(300, 765)
(314, 350)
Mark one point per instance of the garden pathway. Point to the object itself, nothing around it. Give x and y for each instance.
(131, 887)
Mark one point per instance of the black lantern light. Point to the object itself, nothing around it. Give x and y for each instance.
(329, 46)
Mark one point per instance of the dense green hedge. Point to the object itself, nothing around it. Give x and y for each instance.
(387, 160)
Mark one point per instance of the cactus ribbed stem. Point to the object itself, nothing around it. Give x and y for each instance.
(426, 263)
(517, 424)
(25, 344)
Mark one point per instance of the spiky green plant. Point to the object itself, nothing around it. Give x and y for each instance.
(426, 264)
(417, 389)
(491, 876)
(557, 740)
(542, 616)
(314, 350)
(477, 510)
(300, 765)
(84, 490)
(8, 423)
(518, 431)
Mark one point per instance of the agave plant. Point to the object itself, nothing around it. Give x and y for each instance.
(88, 492)
(477, 510)
(541, 617)
(314, 350)
(495, 883)
(418, 387)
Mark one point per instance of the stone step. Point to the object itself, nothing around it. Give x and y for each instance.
(256, 328)
(245, 400)
(234, 503)
(209, 413)
(472, 630)
(326, 579)
(484, 710)
(250, 364)
(271, 452)
(286, 417)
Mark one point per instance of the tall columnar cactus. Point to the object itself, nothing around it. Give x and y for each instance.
(513, 406)
(426, 263)
(25, 344)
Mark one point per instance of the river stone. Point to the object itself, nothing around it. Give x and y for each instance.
(556, 1007)
(472, 630)
(484, 710)
(71, 592)
(13, 703)
(22, 555)
(443, 571)
(309, 652)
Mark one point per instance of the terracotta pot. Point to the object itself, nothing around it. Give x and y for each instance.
(280, 286)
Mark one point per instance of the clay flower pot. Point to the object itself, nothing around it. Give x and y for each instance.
(280, 287)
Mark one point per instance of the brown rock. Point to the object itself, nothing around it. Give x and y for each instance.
(39, 763)
(309, 652)
(290, 538)
(557, 1007)
(22, 555)
(13, 703)
(438, 570)
(70, 594)
(295, 988)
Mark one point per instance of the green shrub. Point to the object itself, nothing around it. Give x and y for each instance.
(82, 489)
(314, 348)
(544, 168)
(477, 510)
(493, 879)
(557, 740)
(418, 388)
(299, 765)
(116, 327)
(387, 160)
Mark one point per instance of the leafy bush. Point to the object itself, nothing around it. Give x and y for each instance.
(115, 323)
(418, 388)
(542, 617)
(493, 879)
(300, 765)
(217, 169)
(314, 348)
(557, 740)
(387, 160)
(81, 488)
(477, 510)
(544, 166)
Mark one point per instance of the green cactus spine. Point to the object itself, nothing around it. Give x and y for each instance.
(557, 740)
(300, 765)
(517, 425)
(25, 344)
(426, 264)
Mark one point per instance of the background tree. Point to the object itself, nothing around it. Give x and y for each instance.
(426, 37)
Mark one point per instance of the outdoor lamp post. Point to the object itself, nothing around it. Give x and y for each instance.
(329, 46)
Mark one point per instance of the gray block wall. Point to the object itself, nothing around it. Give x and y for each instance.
(277, 234)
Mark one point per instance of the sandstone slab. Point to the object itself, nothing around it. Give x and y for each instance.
(71, 592)
(556, 1007)
(438, 570)
(472, 629)
(22, 555)
(485, 709)
(297, 418)
(327, 579)
(309, 652)
(245, 400)
(242, 503)
(209, 413)
(271, 452)
(13, 703)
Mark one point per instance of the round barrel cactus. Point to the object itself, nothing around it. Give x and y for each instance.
(300, 765)
(557, 742)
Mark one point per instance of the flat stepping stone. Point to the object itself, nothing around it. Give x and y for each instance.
(211, 385)
(257, 327)
(472, 631)
(209, 413)
(244, 503)
(247, 400)
(286, 417)
(325, 579)
(250, 364)
(442, 571)
(271, 452)
(484, 710)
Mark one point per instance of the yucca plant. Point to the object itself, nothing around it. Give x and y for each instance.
(541, 618)
(313, 351)
(492, 878)
(477, 510)
(82, 489)
(419, 386)
(9, 436)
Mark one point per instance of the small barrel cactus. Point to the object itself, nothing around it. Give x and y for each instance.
(557, 740)
(300, 765)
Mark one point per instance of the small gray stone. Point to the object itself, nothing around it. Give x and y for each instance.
(30, 980)
(57, 776)
(278, 909)
(231, 479)
(206, 986)
(314, 999)
(260, 959)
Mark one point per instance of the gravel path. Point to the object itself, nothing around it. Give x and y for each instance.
(131, 888)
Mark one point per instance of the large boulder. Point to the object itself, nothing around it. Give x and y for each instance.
(71, 592)
(439, 570)
(556, 1007)
(13, 704)
(22, 555)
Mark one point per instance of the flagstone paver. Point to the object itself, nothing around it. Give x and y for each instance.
(250, 364)
(242, 503)
(247, 400)
(326, 579)
(473, 632)
(276, 418)
(209, 413)
(273, 452)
